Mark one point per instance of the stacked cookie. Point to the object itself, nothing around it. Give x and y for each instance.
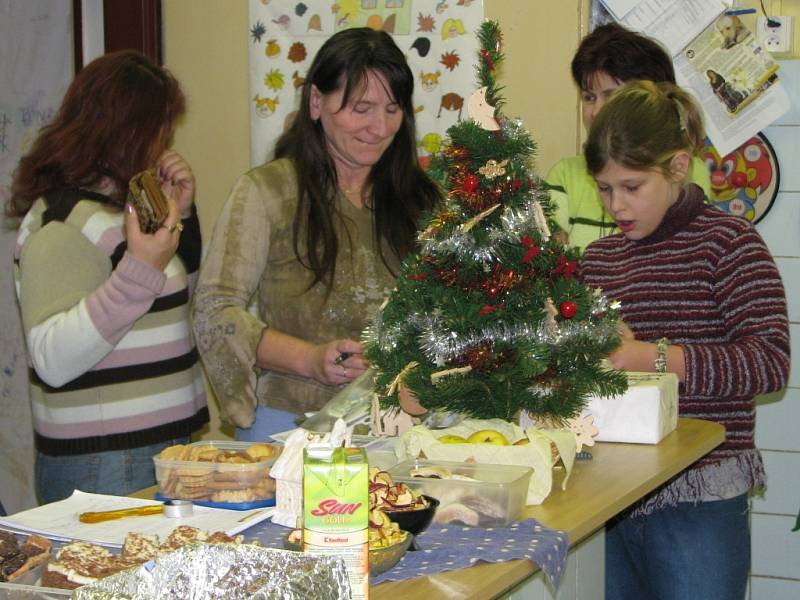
(228, 472)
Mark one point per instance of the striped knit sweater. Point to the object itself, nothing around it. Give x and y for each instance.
(108, 336)
(705, 280)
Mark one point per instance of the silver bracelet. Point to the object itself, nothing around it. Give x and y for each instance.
(661, 355)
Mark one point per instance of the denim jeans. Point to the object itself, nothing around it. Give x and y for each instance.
(115, 472)
(691, 551)
(268, 421)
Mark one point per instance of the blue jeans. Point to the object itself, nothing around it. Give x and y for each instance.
(268, 421)
(115, 472)
(691, 551)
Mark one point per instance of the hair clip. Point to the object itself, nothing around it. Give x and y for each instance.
(683, 119)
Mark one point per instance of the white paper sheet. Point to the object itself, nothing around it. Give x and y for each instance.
(727, 132)
(620, 8)
(59, 520)
(674, 23)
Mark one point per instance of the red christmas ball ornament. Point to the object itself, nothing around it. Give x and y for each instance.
(471, 183)
(568, 309)
(739, 179)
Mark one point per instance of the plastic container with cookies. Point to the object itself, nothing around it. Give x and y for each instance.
(220, 474)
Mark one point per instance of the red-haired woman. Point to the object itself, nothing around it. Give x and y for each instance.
(105, 307)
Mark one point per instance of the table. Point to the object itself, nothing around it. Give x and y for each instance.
(598, 489)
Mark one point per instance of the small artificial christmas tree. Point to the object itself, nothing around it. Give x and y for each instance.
(487, 319)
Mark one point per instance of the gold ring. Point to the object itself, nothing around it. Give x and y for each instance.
(172, 228)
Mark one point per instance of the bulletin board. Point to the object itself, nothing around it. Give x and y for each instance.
(438, 38)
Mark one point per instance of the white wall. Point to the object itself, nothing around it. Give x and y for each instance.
(776, 549)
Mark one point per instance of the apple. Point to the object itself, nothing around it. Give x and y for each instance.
(452, 439)
(488, 436)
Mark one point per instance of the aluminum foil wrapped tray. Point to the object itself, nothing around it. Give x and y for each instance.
(226, 572)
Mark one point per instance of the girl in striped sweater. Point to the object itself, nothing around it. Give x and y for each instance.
(702, 298)
(115, 375)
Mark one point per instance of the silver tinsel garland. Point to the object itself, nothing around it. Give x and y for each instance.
(441, 345)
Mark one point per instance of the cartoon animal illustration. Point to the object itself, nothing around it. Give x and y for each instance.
(451, 101)
(738, 178)
(297, 81)
(429, 81)
(265, 106)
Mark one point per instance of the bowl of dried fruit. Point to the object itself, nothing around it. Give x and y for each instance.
(412, 511)
(386, 553)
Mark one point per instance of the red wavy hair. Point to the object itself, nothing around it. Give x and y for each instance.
(115, 119)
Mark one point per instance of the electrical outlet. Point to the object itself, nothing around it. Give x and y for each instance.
(775, 34)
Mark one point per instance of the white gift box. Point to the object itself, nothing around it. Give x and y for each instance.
(644, 414)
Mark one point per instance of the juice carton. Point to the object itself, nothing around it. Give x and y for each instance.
(336, 509)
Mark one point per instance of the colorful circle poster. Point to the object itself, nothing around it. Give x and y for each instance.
(745, 181)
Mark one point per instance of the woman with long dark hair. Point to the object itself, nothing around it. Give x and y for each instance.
(313, 239)
(105, 307)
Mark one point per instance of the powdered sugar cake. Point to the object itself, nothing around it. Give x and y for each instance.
(140, 547)
(180, 536)
(80, 563)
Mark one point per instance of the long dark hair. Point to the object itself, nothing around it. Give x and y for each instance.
(400, 189)
(114, 115)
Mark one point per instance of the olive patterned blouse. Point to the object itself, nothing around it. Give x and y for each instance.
(251, 279)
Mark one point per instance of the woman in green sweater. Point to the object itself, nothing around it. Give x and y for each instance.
(606, 59)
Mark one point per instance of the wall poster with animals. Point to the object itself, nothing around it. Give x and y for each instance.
(438, 38)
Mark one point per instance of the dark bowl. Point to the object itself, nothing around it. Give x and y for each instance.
(415, 521)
